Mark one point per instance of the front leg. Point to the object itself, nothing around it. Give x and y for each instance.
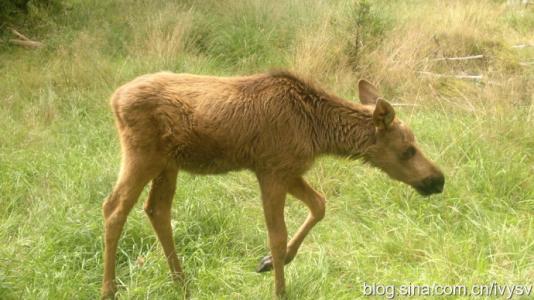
(301, 190)
(273, 194)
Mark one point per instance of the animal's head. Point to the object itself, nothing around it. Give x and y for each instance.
(395, 150)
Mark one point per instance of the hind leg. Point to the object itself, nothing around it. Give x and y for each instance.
(158, 208)
(136, 171)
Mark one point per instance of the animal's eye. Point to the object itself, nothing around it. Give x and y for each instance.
(409, 153)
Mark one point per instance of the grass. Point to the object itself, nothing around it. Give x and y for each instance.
(59, 153)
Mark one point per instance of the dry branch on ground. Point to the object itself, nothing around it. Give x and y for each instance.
(22, 40)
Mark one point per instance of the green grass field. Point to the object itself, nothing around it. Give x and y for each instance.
(59, 154)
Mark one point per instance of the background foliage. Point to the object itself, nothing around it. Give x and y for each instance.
(59, 153)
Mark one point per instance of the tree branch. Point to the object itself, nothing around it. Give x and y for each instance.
(24, 41)
(460, 58)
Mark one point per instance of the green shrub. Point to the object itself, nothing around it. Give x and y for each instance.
(25, 12)
(367, 27)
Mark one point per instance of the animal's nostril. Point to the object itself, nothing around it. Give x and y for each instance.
(428, 181)
(440, 180)
(434, 183)
(437, 183)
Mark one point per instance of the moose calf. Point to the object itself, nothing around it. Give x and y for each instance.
(273, 124)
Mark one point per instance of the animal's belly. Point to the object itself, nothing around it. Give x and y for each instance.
(208, 167)
(207, 161)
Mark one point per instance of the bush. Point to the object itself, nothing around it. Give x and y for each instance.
(367, 26)
(24, 12)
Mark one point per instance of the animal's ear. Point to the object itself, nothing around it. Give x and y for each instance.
(368, 92)
(383, 115)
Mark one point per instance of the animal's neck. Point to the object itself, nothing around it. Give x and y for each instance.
(345, 128)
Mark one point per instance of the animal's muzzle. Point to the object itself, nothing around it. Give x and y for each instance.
(431, 185)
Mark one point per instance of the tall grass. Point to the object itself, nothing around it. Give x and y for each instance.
(59, 154)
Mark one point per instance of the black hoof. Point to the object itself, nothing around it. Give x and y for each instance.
(265, 265)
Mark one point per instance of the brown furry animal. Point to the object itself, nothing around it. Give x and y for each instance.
(273, 124)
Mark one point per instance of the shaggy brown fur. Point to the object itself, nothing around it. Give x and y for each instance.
(273, 124)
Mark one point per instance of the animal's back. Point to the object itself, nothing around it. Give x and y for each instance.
(215, 124)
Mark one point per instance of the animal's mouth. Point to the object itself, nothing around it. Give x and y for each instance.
(430, 185)
(427, 190)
